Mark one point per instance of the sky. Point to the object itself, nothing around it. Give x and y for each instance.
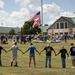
(13, 13)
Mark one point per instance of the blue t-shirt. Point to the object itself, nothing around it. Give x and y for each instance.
(32, 52)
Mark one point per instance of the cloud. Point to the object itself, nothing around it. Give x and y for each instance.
(1, 4)
(18, 18)
(3, 17)
(23, 3)
(26, 3)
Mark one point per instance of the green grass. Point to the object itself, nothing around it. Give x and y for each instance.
(23, 60)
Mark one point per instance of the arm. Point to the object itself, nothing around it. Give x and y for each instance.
(4, 50)
(54, 52)
(26, 50)
(57, 53)
(8, 50)
(20, 50)
(37, 50)
(41, 51)
(67, 54)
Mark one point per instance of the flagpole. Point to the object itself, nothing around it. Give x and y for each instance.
(42, 15)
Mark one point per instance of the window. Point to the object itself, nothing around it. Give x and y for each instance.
(66, 25)
(57, 25)
(61, 25)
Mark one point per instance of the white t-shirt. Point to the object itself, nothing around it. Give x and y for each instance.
(14, 49)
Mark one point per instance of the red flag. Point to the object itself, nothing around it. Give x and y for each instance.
(37, 22)
(37, 15)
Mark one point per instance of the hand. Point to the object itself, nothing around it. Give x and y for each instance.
(39, 53)
(6, 51)
(23, 52)
(55, 54)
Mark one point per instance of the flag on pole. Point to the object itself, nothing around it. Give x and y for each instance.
(35, 16)
(37, 22)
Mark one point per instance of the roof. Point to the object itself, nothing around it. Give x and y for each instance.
(69, 19)
(7, 29)
(44, 28)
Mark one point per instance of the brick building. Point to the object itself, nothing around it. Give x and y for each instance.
(63, 25)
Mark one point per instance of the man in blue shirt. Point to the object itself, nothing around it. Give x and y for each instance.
(31, 54)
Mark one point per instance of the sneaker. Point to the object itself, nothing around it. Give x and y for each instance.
(15, 66)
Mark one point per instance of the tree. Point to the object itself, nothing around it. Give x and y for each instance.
(12, 32)
(28, 29)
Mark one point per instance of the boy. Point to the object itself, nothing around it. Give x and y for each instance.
(63, 52)
(14, 50)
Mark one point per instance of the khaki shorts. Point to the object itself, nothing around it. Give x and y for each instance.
(14, 58)
(72, 57)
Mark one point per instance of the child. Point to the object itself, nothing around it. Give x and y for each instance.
(63, 52)
(14, 50)
(32, 54)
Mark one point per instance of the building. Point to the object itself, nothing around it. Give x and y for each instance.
(63, 25)
(44, 29)
(5, 30)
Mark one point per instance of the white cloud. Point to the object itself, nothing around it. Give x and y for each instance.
(1, 4)
(23, 3)
(68, 14)
(18, 18)
(3, 17)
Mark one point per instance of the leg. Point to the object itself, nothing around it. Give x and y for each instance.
(63, 63)
(11, 63)
(12, 60)
(34, 61)
(74, 62)
(49, 61)
(0, 61)
(15, 61)
(46, 61)
(30, 61)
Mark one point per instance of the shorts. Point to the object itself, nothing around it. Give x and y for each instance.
(72, 57)
(14, 58)
(32, 54)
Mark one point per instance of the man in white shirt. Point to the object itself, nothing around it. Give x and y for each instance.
(14, 50)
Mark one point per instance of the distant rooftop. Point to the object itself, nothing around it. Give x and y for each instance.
(7, 29)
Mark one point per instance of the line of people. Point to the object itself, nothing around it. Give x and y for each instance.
(48, 50)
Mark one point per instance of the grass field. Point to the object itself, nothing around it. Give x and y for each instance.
(23, 60)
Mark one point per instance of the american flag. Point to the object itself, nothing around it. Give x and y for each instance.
(37, 22)
(37, 15)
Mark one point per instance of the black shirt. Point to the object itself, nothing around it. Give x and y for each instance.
(63, 53)
(48, 50)
(72, 50)
(1, 49)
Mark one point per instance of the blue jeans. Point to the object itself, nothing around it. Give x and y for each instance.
(48, 58)
(63, 62)
(0, 61)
